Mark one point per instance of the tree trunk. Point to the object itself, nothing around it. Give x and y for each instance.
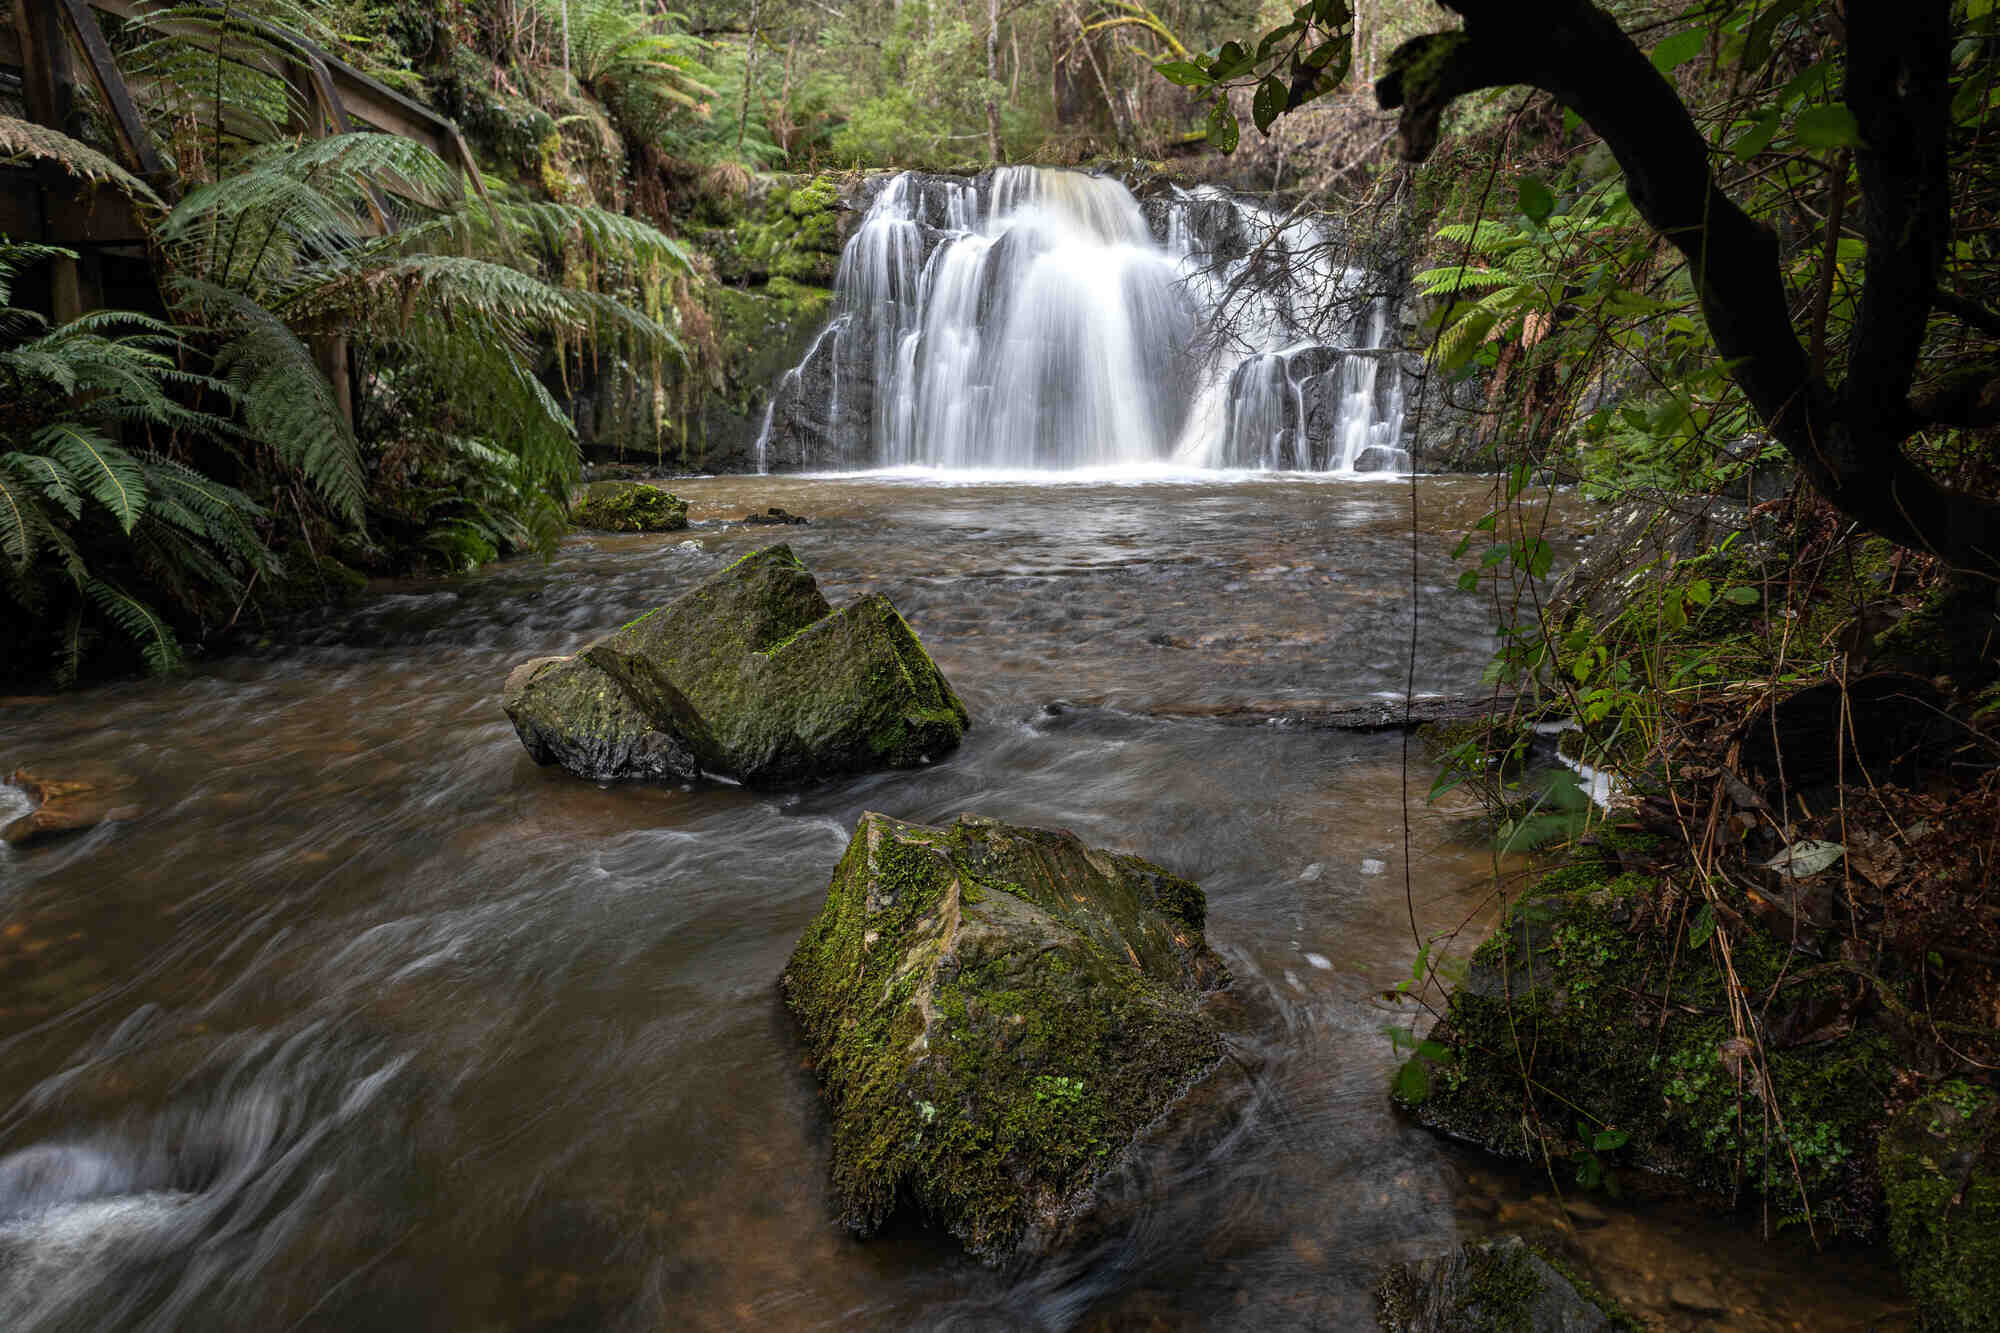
(749, 78)
(994, 147)
(1847, 441)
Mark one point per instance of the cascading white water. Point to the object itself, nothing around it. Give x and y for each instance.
(1033, 318)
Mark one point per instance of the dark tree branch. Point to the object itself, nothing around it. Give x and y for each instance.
(1848, 445)
(1970, 311)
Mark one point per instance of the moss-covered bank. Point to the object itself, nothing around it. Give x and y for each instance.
(1594, 1027)
(995, 1013)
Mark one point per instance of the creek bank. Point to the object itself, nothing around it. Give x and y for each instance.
(995, 1015)
(1767, 975)
(750, 675)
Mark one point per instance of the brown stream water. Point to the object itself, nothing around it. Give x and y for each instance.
(366, 1022)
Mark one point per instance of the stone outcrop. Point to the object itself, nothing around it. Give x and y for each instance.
(629, 506)
(994, 1014)
(749, 675)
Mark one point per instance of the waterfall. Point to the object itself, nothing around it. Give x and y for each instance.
(1034, 318)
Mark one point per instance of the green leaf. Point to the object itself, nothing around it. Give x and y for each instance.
(1276, 37)
(1230, 61)
(1828, 126)
(1269, 101)
(1536, 200)
(1757, 138)
(1741, 595)
(1609, 1140)
(1757, 44)
(1184, 73)
(1469, 581)
(1541, 557)
(1702, 926)
(1678, 49)
(1331, 13)
(1222, 130)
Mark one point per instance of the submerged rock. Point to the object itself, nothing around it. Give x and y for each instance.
(995, 1013)
(1941, 1175)
(629, 506)
(1490, 1287)
(750, 675)
(69, 801)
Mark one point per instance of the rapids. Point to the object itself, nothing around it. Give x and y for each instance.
(368, 1023)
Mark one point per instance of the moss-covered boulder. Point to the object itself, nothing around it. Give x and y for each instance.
(1500, 1286)
(1582, 1031)
(629, 506)
(994, 1014)
(1941, 1175)
(756, 676)
(569, 713)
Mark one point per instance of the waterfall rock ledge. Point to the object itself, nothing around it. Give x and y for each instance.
(749, 675)
(995, 1015)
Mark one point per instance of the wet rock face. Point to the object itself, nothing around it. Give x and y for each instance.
(995, 1013)
(751, 675)
(568, 713)
(1499, 1285)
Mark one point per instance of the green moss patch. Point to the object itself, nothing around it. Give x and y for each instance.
(629, 506)
(1581, 1032)
(1941, 1177)
(995, 1013)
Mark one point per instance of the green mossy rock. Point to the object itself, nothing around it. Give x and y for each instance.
(1941, 1175)
(995, 1013)
(1501, 1286)
(757, 677)
(629, 506)
(568, 712)
(1568, 988)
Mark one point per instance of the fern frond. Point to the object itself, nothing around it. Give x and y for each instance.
(287, 403)
(99, 468)
(23, 521)
(41, 472)
(21, 140)
(138, 622)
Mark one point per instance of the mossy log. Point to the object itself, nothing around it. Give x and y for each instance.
(995, 1013)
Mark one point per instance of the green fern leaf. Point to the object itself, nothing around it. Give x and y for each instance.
(140, 623)
(100, 469)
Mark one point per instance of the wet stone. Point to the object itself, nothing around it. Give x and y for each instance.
(750, 675)
(996, 1014)
(1501, 1284)
(69, 800)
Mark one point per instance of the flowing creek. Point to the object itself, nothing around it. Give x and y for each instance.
(365, 1022)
